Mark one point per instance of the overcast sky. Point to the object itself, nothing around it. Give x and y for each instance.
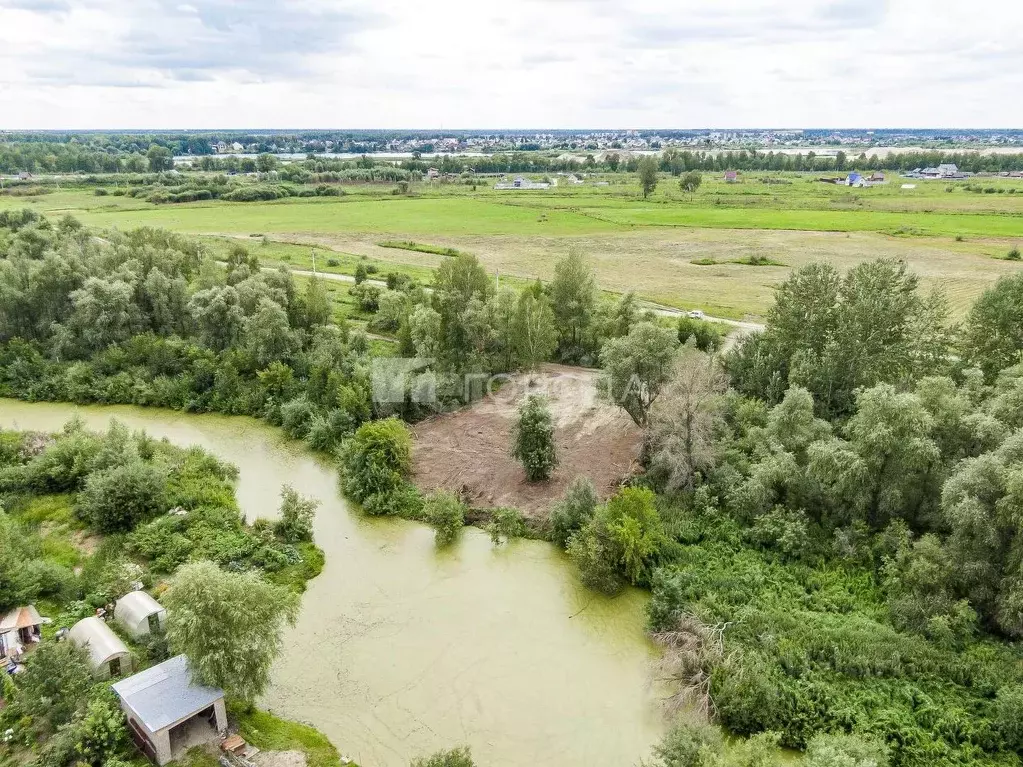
(512, 64)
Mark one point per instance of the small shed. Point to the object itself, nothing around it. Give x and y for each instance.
(20, 626)
(140, 614)
(108, 655)
(731, 176)
(168, 712)
(854, 179)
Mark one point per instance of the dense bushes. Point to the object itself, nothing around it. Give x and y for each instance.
(375, 464)
(120, 498)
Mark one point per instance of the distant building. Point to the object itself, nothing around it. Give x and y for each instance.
(432, 173)
(522, 183)
(731, 176)
(948, 170)
(854, 179)
(877, 177)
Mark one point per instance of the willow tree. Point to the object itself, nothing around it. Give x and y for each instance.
(228, 625)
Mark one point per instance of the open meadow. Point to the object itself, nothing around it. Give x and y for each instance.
(688, 251)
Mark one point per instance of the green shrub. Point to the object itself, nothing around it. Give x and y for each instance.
(296, 521)
(1013, 255)
(121, 498)
(845, 751)
(1008, 717)
(505, 524)
(458, 757)
(297, 417)
(573, 511)
(690, 745)
(534, 439)
(376, 459)
(446, 513)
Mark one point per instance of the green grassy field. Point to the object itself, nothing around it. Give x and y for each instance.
(954, 238)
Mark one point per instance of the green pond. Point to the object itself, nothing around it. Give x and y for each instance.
(401, 650)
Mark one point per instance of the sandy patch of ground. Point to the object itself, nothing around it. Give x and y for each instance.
(279, 759)
(469, 451)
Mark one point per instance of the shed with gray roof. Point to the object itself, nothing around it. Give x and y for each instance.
(169, 712)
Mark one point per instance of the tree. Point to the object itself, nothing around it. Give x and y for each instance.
(55, 684)
(573, 293)
(457, 282)
(295, 524)
(573, 511)
(706, 335)
(648, 175)
(534, 334)
(317, 303)
(218, 316)
(104, 312)
(361, 273)
(268, 335)
(266, 162)
(690, 183)
(993, 332)
(620, 542)
(637, 366)
(534, 439)
(834, 336)
(118, 499)
(228, 625)
(376, 460)
(686, 422)
(160, 158)
(446, 513)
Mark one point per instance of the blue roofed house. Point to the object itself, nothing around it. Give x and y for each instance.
(169, 712)
(854, 179)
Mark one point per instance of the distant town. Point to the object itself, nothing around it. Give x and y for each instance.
(438, 142)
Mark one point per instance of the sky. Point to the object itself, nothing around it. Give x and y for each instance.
(193, 64)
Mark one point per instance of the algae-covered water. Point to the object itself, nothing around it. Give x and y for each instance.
(401, 650)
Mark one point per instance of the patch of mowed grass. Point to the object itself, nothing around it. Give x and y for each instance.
(270, 733)
(816, 220)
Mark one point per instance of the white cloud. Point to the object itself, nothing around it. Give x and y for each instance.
(528, 63)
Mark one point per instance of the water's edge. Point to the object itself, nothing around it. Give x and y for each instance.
(400, 649)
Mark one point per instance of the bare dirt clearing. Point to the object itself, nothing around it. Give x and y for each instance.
(469, 451)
